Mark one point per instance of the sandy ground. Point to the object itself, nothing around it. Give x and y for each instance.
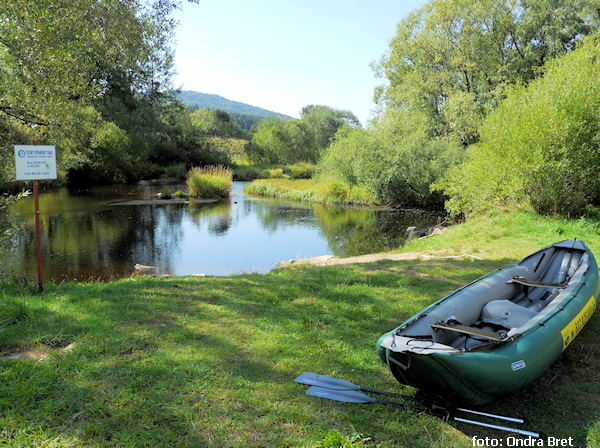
(330, 260)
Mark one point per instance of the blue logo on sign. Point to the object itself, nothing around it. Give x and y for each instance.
(21, 153)
(518, 365)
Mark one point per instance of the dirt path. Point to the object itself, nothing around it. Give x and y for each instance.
(330, 260)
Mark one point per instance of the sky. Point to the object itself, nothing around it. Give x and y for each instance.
(283, 55)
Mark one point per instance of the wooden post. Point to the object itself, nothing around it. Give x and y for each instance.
(37, 236)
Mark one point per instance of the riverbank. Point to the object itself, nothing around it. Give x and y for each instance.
(330, 192)
(210, 361)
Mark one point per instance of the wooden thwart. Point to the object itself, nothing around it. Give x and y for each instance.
(471, 331)
(533, 283)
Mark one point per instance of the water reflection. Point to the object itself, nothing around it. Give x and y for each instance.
(96, 234)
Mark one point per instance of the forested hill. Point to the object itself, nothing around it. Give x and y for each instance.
(210, 101)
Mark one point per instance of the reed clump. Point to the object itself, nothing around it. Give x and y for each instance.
(210, 182)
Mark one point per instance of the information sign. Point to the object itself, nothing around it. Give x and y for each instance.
(35, 162)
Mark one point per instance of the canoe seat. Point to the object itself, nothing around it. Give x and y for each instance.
(470, 331)
(506, 314)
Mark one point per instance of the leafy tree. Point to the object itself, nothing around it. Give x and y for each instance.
(289, 141)
(540, 146)
(278, 141)
(324, 122)
(58, 58)
(217, 123)
(458, 55)
(245, 121)
(396, 159)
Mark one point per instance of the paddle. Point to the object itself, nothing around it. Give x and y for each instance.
(338, 384)
(328, 382)
(354, 396)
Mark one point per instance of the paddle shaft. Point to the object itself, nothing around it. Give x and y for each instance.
(464, 420)
(522, 432)
(328, 382)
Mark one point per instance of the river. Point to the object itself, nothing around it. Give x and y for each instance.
(103, 232)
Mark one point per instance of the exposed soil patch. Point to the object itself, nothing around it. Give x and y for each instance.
(40, 352)
(330, 260)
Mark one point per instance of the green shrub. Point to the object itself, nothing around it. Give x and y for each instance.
(210, 182)
(325, 191)
(337, 190)
(166, 192)
(300, 170)
(175, 171)
(396, 160)
(540, 147)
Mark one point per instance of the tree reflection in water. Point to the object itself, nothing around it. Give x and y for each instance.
(88, 235)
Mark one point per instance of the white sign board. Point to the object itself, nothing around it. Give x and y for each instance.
(35, 162)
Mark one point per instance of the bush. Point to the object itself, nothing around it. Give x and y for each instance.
(175, 172)
(540, 147)
(210, 182)
(300, 170)
(396, 161)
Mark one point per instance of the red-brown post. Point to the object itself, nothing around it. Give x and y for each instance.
(37, 236)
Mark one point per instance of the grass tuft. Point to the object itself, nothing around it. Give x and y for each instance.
(210, 182)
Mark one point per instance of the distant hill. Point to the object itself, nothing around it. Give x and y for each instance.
(209, 101)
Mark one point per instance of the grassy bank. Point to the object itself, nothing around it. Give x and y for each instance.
(329, 191)
(211, 361)
(247, 171)
(509, 235)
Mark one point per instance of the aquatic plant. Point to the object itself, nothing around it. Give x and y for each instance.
(210, 182)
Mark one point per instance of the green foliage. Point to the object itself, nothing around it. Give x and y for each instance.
(541, 146)
(175, 172)
(325, 191)
(452, 59)
(98, 153)
(277, 141)
(210, 182)
(335, 440)
(300, 170)
(396, 160)
(217, 123)
(93, 77)
(324, 122)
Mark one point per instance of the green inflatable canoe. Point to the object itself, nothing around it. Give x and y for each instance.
(501, 332)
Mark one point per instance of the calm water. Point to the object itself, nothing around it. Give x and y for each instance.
(96, 234)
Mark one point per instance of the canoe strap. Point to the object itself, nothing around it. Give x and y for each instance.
(471, 331)
(523, 281)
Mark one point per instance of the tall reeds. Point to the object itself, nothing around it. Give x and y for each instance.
(210, 182)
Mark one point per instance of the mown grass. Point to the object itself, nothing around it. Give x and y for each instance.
(324, 191)
(210, 362)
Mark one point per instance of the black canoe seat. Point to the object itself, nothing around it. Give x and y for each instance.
(471, 331)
